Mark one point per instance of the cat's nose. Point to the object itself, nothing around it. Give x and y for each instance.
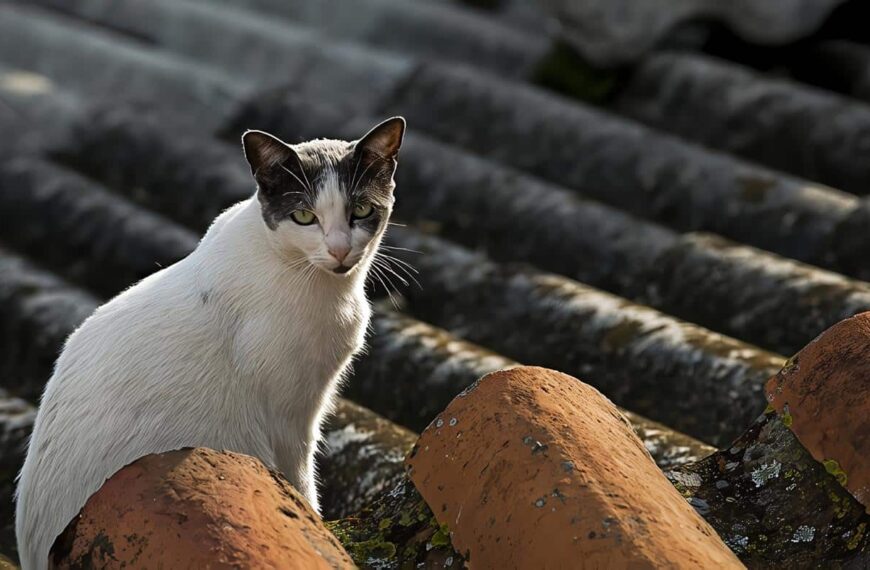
(339, 252)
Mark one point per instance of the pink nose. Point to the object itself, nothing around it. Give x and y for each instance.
(339, 252)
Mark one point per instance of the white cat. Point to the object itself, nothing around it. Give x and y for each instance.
(239, 346)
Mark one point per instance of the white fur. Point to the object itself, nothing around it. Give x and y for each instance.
(239, 346)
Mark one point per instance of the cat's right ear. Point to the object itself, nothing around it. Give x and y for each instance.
(266, 153)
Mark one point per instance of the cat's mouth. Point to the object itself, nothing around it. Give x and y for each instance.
(342, 269)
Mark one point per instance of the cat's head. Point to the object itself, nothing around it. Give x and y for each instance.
(326, 199)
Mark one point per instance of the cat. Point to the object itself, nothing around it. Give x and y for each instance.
(239, 346)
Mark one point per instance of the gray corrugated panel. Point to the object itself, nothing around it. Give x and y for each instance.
(702, 383)
(612, 32)
(396, 343)
(426, 30)
(624, 164)
(16, 420)
(252, 47)
(851, 243)
(33, 110)
(610, 159)
(94, 225)
(101, 67)
(444, 366)
(741, 291)
(751, 294)
(114, 143)
(452, 363)
(672, 358)
(523, 14)
(38, 311)
(811, 133)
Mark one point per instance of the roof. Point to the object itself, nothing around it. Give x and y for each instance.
(669, 227)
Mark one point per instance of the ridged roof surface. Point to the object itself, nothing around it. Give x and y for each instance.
(589, 186)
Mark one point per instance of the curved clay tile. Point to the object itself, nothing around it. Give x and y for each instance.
(530, 468)
(823, 395)
(197, 508)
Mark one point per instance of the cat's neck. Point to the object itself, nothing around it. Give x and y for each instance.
(236, 257)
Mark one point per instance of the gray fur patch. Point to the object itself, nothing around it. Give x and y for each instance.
(294, 183)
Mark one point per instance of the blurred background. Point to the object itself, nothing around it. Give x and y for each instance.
(665, 198)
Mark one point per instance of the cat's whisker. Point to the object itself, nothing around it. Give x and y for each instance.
(405, 277)
(399, 261)
(353, 187)
(308, 184)
(392, 247)
(402, 280)
(384, 262)
(406, 282)
(377, 273)
(402, 266)
(305, 184)
(355, 170)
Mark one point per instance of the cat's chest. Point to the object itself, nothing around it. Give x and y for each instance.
(307, 340)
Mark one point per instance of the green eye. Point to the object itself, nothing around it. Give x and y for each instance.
(303, 217)
(362, 211)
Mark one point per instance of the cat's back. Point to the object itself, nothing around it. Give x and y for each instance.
(152, 319)
(143, 323)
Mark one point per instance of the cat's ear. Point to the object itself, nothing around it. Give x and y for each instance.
(383, 141)
(264, 152)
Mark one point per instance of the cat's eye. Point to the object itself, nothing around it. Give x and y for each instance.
(303, 217)
(363, 210)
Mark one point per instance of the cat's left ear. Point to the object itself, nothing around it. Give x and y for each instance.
(263, 151)
(383, 141)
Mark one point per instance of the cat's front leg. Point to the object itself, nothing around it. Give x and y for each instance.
(297, 464)
(308, 483)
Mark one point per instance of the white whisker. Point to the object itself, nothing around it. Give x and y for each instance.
(401, 266)
(291, 173)
(377, 273)
(399, 261)
(392, 247)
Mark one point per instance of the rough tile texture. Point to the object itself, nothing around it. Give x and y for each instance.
(531, 468)
(823, 395)
(197, 508)
(611, 32)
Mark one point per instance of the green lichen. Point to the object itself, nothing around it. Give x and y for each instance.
(790, 365)
(841, 507)
(441, 536)
(406, 518)
(396, 531)
(365, 552)
(336, 528)
(833, 467)
(786, 418)
(856, 538)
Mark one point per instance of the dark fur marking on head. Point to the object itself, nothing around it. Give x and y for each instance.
(288, 178)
